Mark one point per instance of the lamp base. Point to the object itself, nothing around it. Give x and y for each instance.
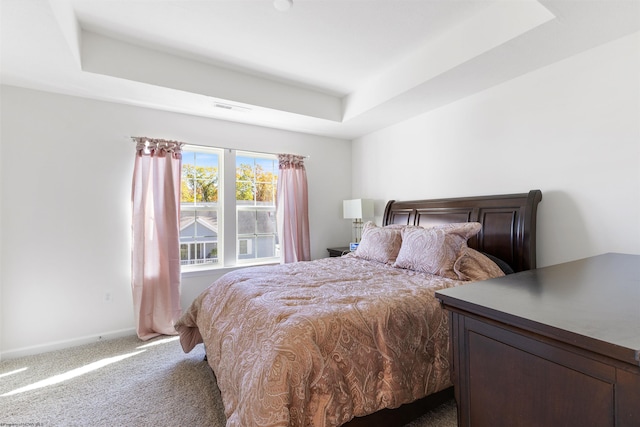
(357, 229)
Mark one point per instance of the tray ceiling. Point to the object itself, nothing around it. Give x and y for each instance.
(335, 68)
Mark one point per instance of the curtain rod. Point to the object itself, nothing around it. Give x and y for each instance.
(133, 138)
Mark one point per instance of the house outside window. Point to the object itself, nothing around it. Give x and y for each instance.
(209, 202)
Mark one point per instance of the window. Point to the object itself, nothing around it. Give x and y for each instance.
(256, 180)
(199, 207)
(249, 197)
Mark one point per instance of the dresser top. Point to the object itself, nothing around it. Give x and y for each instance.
(592, 303)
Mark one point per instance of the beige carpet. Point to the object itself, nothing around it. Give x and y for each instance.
(125, 382)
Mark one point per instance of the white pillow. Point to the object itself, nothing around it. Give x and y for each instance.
(435, 250)
(379, 244)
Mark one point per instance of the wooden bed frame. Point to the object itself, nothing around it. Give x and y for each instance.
(508, 233)
(508, 222)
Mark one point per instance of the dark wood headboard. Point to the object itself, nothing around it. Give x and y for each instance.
(508, 222)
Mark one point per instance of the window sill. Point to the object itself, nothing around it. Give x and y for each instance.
(207, 270)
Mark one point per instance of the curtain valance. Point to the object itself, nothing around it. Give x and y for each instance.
(157, 147)
(290, 161)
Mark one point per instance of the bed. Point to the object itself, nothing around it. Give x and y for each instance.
(325, 342)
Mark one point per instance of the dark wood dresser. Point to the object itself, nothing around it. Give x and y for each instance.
(554, 346)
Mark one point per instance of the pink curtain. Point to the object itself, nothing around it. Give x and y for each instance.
(292, 209)
(155, 252)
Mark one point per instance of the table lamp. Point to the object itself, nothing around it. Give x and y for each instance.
(357, 209)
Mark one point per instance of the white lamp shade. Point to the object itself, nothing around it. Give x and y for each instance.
(357, 208)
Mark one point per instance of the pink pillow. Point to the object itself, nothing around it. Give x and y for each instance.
(379, 244)
(435, 250)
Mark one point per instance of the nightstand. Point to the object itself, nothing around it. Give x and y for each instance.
(336, 252)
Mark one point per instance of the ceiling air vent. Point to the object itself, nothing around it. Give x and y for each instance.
(230, 107)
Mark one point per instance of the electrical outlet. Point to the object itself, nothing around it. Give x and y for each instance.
(108, 297)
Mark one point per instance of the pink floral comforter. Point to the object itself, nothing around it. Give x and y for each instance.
(318, 343)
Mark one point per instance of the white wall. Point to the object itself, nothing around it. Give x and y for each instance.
(66, 169)
(571, 129)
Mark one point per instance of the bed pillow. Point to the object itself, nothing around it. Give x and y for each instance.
(379, 244)
(504, 266)
(472, 265)
(434, 250)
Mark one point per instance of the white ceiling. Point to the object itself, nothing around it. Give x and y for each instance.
(340, 68)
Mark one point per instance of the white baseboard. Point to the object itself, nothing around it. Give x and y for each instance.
(59, 345)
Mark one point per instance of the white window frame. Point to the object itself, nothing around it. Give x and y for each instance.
(219, 209)
(263, 260)
(227, 213)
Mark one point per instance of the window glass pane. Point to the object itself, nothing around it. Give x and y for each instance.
(246, 222)
(266, 177)
(199, 207)
(245, 180)
(207, 224)
(268, 166)
(243, 159)
(256, 184)
(188, 192)
(244, 193)
(211, 251)
(266, 222)
(200, 177)
(245, 248)
(265, 194)
(265, 247)
(256, 179)
(199, 249)
(187, 226)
